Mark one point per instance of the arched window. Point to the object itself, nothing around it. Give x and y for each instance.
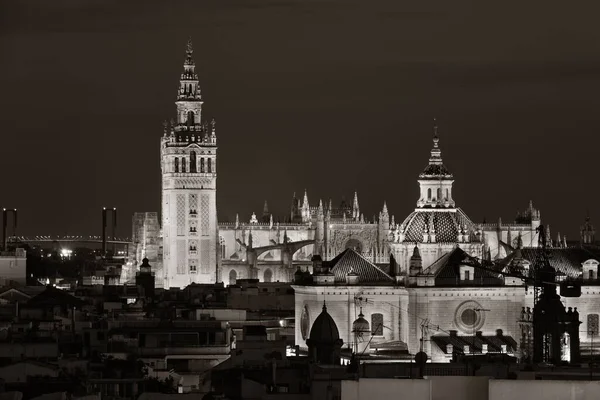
(447, 194)
(232, 277)
(202, 165)
(209, 165)
(268, 275)
(190, 117)
(429, 194)
(377, 324)
(439, 194)
(182, 164)
(193, 161)
(176, 164)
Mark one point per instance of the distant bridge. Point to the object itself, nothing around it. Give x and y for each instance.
(69, 239)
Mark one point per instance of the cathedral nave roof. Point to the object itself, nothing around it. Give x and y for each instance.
(350, 260)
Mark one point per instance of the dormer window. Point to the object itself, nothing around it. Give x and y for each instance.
(590, 269)
(467, 273)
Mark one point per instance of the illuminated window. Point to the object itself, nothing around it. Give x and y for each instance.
(377, 324)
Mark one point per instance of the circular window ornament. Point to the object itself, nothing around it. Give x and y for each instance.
(469, 317)
(304, 323)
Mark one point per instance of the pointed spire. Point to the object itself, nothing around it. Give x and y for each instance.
(213, 126)
(237, 220)
(519, 241)
(320, 209)
(305, 200)
(355, 207)
(558, 240)
(436, 153)
(265, 209)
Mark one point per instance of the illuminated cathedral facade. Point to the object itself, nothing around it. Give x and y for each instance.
(396, 286)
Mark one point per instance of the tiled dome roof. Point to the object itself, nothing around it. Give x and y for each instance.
(324, 329)
(445, 223)
(435, 171)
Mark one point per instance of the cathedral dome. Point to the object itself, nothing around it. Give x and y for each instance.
(439, 226)
(324, 329)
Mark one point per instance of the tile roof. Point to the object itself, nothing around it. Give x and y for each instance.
(475, 343)
(350, 260)
(435, 170)
(446, 270)
(446, 224)
(564, 260)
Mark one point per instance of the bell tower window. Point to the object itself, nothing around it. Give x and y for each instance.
(193, 161)
(429, 194)
(176, 164)
(190, 115)
(182, 164)
(439, 194)
(202, 165)
(209, 165)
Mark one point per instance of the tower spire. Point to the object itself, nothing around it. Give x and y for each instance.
(436, 180)
(189, 88)
(355, 207)
(436, 153)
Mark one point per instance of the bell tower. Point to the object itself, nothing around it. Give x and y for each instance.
(189, 188)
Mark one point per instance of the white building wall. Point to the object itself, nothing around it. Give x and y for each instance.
(344, 303)
(370, 389)
(543, 390)
(13, 266)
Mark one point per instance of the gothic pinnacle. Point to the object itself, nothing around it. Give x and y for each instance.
(189, 47)
(385, 209)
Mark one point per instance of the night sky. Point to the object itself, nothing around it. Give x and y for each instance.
(329, 95)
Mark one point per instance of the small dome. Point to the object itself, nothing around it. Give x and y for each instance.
(324, 329)
(361, 325)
